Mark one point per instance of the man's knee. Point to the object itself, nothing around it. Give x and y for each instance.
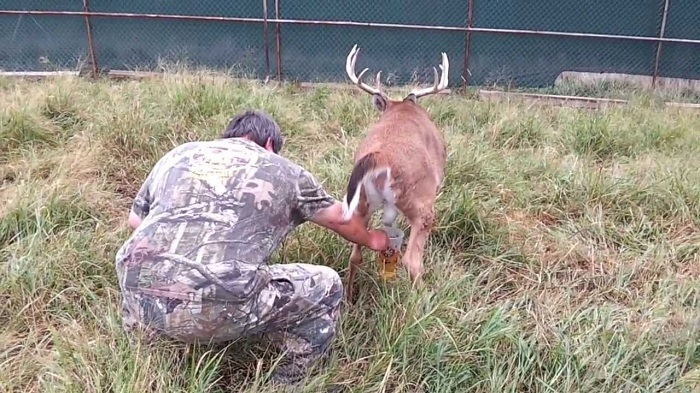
(335, 288)
(301, 273)
(313, 284)
(330, 277)
(331, 283)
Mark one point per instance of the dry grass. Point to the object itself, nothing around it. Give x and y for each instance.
(565, 258)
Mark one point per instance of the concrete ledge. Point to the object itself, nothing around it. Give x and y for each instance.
(568, 101)
(37, 75)
(643, 81)
(551, 99)
(121, 74)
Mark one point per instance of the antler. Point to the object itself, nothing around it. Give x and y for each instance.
(357, 80)
(438, 85)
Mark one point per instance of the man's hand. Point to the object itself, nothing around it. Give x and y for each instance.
(354, 230)
(379, 240)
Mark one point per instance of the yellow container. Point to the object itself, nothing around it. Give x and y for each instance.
(388, 260)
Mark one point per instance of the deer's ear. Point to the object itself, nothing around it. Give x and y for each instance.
(411, 97)
(379, 102)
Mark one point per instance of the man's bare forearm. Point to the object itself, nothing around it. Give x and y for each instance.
(353, 231)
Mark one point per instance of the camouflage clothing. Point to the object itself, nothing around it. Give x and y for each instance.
(197, 268)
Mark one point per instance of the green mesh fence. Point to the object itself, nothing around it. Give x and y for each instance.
(40, 42)
(316, 52)
(532, 60)
(681, 60)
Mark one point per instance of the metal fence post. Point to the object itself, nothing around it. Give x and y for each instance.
(266, 39)
(278, 41)
(467, 43)
(90, 41)
(657, 58)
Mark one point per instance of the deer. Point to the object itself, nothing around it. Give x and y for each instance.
(399, 165)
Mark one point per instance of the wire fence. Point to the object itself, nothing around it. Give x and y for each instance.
(489, 42)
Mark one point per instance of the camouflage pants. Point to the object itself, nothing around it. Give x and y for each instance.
(298, 310)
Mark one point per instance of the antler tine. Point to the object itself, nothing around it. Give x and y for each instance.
(445, 66)
(350, 70)
(350, 64)
(362, 73)
(438, 79)
(440, 82)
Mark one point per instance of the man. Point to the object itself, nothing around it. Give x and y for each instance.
(206, 221)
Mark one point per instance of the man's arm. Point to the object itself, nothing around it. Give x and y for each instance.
(315, 205)
(354, 230)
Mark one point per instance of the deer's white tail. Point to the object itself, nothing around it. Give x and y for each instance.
(364, 174)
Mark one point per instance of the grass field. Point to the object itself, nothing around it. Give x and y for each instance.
(565, 257)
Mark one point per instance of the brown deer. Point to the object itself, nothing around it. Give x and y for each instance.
(400, 164)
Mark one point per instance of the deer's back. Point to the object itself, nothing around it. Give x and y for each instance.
(413, 146)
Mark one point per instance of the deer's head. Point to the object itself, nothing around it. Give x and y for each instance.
(380, 99)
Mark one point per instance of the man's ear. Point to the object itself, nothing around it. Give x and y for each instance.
(269, 145)
(134, 220)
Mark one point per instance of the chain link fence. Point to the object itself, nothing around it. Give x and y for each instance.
(147, 43)
(504, 42)
(318, 52)
(681, 60)
(536, 60)
(42, 42)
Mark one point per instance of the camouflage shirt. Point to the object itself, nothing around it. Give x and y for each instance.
(212, 214)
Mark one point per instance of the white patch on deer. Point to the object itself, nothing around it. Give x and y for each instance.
(390, 209)
(350, 207)
(377, 185)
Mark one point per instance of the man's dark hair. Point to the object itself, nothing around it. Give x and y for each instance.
(257, 126)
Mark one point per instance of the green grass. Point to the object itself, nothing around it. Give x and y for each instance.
(565, 257)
